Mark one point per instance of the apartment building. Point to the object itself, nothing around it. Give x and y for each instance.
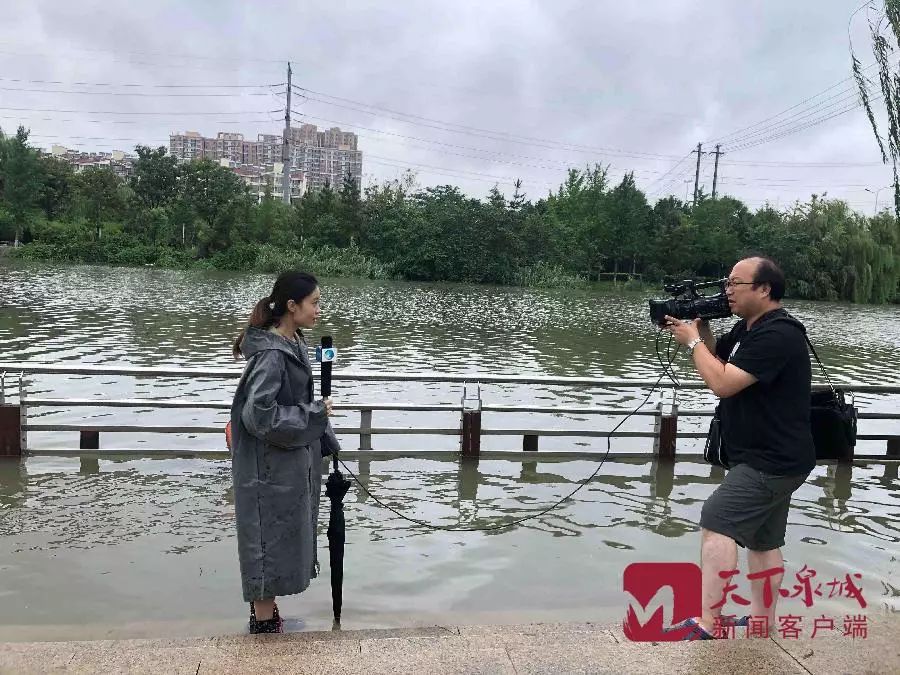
(323, 157)
(120, 163)
(260, 179)
(188, 146)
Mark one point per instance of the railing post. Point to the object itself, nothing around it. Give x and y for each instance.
(10, 424)
(666, 431)
(89, 440)
(10, 430)
(470, 433)
(23, 416)
(893, 453)
(365, 424)
(893, 447)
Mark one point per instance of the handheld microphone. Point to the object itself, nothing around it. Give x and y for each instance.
(327, 355)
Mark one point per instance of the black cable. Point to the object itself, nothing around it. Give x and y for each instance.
(667, 367)
(518, 521)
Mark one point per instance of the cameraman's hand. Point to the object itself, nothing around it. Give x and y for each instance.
(328, 406)
(683, 332)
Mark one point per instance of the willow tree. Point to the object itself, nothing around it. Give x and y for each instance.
(883, 17)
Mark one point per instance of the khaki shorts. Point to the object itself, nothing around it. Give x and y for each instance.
(751, 507)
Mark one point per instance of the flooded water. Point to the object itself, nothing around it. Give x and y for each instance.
(146, 547)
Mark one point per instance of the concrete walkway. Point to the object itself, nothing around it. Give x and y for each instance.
(535, 648)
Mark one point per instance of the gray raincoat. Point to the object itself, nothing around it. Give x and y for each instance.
(279, 436)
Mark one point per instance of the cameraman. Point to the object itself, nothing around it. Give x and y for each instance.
(761, 372)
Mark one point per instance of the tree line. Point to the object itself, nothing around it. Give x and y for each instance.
(202, 214)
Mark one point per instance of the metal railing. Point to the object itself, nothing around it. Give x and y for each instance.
(664, 432)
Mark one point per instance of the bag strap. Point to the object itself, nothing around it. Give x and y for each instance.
(819, 361)
(788, 317)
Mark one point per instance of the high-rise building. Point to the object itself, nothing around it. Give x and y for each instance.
(187, 146)
(324, 157)
(230, 147)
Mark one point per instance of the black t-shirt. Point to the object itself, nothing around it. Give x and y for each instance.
(767, 424)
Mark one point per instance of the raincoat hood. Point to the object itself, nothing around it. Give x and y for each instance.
(262, 339)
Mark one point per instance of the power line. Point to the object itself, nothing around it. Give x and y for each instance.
(795, 119)
(667, 188)
(774, 122)
(671, 181)
(168, 123)
(799, 165)
(168, 55)
(721, 139)
(146, 86)
(129, 94)
(795, 130)
(83, 138)
(505, 179)
(452, 174)
(766, 185)
(492, 153)
(761, 163)
(156, 65)
(468, 130)
(782, 129)
(141, 112)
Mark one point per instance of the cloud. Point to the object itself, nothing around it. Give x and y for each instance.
(501, 89)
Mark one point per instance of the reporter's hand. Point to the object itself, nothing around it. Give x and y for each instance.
(684, 332)
(328, 406)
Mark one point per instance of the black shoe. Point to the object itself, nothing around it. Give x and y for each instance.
(273, 625)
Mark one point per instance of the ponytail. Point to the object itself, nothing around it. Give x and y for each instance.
(261, 317)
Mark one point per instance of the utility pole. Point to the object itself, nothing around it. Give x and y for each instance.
(716, 169)
(699, 152)
(286, 145)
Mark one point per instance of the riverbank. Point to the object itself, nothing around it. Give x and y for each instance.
(534, 648)
(324, 261)
(327, 262)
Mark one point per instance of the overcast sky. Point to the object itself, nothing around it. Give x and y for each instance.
(470, 93)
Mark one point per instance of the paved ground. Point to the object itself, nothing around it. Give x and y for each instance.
(534, 648)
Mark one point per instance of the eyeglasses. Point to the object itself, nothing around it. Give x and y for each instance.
(728, 283)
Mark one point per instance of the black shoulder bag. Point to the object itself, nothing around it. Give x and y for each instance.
(832, 419)
(714, 451)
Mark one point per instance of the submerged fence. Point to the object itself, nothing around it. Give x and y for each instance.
(17, 420)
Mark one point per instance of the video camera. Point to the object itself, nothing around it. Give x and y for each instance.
(686, 303)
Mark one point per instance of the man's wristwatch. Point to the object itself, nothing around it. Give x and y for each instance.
(693, 343)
